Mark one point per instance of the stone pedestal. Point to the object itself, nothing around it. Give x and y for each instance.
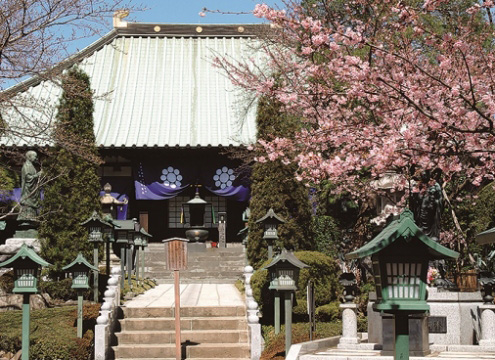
(458, 309)
(349, 326)
(418, 335)
(487, 325)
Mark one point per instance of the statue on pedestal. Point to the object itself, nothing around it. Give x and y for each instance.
(109, 203)
(427, 206)
(30, 189)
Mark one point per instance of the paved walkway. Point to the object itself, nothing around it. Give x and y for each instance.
(338, 354)
(190, 295)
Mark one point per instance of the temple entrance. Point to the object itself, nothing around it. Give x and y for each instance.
(168, 218)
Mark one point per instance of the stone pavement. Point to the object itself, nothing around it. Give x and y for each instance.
(339, 354)
(192, 295)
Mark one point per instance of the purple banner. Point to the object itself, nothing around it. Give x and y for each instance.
(166, 181)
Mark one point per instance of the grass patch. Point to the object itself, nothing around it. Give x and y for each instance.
(53, 332)
(138, 287)
(275, 344)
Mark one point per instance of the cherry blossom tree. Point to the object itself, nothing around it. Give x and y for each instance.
(381, 86)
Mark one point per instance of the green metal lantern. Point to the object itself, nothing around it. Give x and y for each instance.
(270, 222)
(80, 269)
(27, 268)
(284, 271)
(400, 256)
(96, 227)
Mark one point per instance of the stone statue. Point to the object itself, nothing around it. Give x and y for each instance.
(30, 189)
(108, 202)
(427, 206)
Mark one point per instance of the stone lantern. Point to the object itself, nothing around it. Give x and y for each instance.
(27, 269)
(80, 270)
(124, 237)
(283, 274)
(400, 255)
(140, 242)
(197, 207)
(270, 222)
(96, 229)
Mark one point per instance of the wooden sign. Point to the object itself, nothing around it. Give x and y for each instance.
(176, 253)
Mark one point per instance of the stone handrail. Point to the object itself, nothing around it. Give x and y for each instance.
(108, 319)
(252, 316)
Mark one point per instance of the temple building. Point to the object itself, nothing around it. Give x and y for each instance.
(165, 118)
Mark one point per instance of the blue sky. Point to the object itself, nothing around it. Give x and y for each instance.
(187, 11)
(173, 11)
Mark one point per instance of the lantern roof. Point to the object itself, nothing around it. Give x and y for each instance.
(95, 219)
(127, 225)
(196, 200)
(145, 233)
(403, 228)
(80, 260)
(175, 239)
(23, 253)
(287, 256)
(272, 216)
(486, 237)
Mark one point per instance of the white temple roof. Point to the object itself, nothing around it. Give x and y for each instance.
(155, 85)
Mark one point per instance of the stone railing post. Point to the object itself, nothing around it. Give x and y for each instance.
(106, 322)
(349, 326)
(252, 316)
(487, 325)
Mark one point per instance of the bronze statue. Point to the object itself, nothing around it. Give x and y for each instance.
(30, 189)
(108, 202)
(427, 206)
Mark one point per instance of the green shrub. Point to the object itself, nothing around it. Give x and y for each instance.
(328, 312)
(323, 271)
(59, 289)
(53, 333)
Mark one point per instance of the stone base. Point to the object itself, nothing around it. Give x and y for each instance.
(12, 246)
(196, 247)
(418, 335)
(360, 346)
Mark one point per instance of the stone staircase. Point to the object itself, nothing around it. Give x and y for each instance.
(206, 333)
(213, 314)
(209, 266)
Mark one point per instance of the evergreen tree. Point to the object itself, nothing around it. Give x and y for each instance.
(274, 186)
(72, 194)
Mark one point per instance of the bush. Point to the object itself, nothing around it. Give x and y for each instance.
(328, 312)
(59, 289)
(53, 333)
(323, 271)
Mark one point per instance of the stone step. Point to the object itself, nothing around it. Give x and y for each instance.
(206, 260)
(169, 358)
(214, 273)
(185, 312)
(193, 351)
(201, 280)
(168, 337)
(193, 323)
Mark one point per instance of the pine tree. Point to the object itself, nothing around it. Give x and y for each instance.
(274, 186)
(72, 194)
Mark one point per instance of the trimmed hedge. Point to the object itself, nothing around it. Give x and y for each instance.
(323, 271)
